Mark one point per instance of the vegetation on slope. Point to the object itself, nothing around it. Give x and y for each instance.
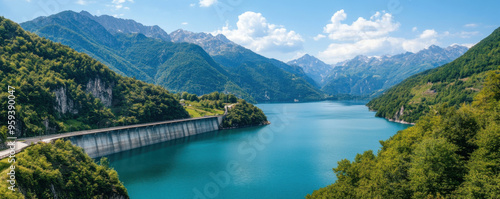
(244, 114)
(61, 170)
(178, 67)
(206, 105)
(266, 82)
(38, 68)
(449, 153)
(454, 83)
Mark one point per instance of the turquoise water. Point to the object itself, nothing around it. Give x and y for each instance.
(287, 159)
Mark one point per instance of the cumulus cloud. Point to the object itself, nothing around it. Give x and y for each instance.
(207, 3)
(254, 32)
(370, 37)
(470, 25)
(82, 2)
(118, 4)
(184, 23)
(318, 37)
(380, 24)
(427, 38)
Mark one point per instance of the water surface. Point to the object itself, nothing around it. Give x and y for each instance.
(287, 159)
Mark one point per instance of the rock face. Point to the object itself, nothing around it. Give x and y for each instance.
(100, 90)
(63, 103)
(96, 87)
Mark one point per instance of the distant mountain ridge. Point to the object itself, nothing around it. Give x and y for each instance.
(230, 54)
(451, 84)
(315, 68)
(179, 66)
(239, 60)
(364, 75)
(127, 26)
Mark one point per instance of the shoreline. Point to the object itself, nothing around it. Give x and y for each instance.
(399, 121)
(240, 127)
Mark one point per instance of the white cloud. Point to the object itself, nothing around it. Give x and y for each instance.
(337, 52)
(462, 34)
(468, 45)
(470, 25)
(380, 24)
(118, 4)
(82, 2)
(318, 37)
(184, 23)
(192, 4)
(207, 3)
(254, 32)
(370, 37)
(427, 38)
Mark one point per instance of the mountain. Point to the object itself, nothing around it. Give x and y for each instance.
(58, 89)
(451, 84)
(263, 78)
(179, 66)
(128, 26)
(371, 75)
(175, 66)
(230, 54)
(313, 67)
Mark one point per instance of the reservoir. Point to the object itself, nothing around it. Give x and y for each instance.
(288, 159)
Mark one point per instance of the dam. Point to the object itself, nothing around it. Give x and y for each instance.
(106, 141)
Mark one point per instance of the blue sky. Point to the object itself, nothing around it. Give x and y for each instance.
(331, 30)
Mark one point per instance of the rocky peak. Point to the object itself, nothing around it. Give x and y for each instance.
(128, 26)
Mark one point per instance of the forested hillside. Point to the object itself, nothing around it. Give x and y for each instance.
(449, 153)
(60, 170)
(454, 83)
(269, 80)
(177, 67)
(58, 89)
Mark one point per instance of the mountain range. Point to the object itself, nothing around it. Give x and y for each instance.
(449, 85)
(362, 75)
(202, 63)
(179, 66)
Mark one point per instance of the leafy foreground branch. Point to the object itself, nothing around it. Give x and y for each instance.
(61, 170)
(450, 153)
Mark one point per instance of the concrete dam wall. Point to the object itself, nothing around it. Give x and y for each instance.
(114, 140)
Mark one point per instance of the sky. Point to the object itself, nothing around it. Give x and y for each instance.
(332, 30)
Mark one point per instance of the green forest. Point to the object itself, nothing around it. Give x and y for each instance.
(37, 68)
(450, 153)
(178, 67)
(244, 114)
(60, 170)
(454, 83)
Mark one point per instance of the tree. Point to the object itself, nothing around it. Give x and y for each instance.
(436, 168)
